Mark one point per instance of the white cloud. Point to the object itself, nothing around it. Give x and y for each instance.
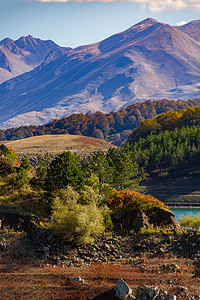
(181, 23)
(153, 5)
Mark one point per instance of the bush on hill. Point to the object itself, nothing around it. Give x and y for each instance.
(75, 221)
(126, 199)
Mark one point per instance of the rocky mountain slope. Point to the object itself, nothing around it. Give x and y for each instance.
(149, 60)
(22, 55)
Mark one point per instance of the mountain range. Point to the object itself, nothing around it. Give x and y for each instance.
(150, 60)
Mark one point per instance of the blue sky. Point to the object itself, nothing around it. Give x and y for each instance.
(74, 23)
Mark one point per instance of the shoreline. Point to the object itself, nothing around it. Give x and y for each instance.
(183, 206)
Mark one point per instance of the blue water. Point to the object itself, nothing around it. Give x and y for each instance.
(180, 211)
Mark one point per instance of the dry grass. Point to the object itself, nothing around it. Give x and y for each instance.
(58, 143)
(28, 280)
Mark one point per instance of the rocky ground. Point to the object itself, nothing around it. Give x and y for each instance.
(159, 266)
(109, 248)
(166, 261)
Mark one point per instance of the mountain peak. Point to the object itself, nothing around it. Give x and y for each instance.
(192, 29)
(145, 24)
(25, 40)
(148, 21)
(6, 42)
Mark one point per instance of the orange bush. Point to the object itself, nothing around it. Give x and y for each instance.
(18, 162)
(127, 199)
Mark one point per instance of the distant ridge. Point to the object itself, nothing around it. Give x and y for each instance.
(115, 127)
(150, 60)
(22, 55)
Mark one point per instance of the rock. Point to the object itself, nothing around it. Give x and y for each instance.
(161, 217)
(122, 290)
(151, 293)
(46, 251)
(3, 246)
(77, 279)
(169, 267)
(183, 288)
(171, 297)
(50, 238)
(131, 220)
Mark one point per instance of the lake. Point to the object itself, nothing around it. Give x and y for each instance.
(179, 211)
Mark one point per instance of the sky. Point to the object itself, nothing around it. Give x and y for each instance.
(80, 22)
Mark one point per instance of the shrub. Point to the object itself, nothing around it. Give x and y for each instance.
(127, 199)
(25, 163)
(190, 221)
(89, 195)
(77, 217)
(11, 154)
(150, 230)
(68, 196)
(6, 166)
(4, 149)
(77, 222)
(19, 179)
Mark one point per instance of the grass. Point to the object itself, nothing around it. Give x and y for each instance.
(58, 143)
(190, 221)
(40, 280)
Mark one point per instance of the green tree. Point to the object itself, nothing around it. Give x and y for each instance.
(126, 172)
(25, 163)
(65, 170)
(42, 167)
(4, 149)
(99, 165)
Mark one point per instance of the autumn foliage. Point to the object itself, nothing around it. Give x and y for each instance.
(127, 199)
(114, 127)
(166, 121)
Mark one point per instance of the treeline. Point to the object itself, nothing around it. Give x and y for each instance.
(166, 140)
(114, 127)
(166, 148)
(166, 121)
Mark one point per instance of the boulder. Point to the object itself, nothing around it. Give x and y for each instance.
(131, 220)
(122, 290)
(161, 217)
(136, 219)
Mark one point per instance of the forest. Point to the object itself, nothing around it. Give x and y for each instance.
(114, 127)
(73, 191)
(77, 198)
(166, 140)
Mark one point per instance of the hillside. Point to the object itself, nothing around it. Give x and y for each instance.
(175, 186)
(58, 143)
(23, 55)
(168, 148)
(166, 121)
(114, 127)
(150, 60)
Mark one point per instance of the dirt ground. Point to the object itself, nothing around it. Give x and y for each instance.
(29, 277)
